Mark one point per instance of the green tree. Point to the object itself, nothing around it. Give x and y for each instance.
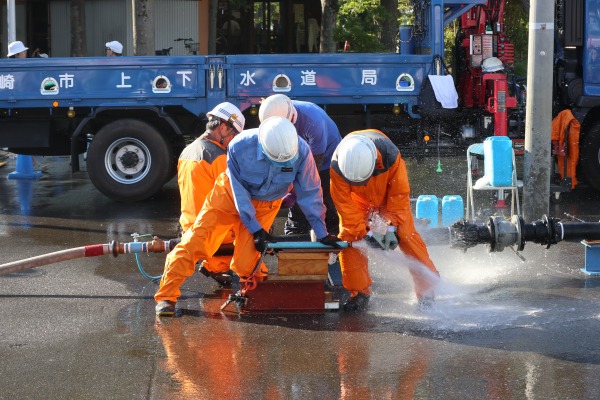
(358, 23)
(366, 24)
(517, 30)
(405, 12)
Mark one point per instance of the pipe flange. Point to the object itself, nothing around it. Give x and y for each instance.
(491, 246)
(506, 233)
(550, 228)
(113, 248)
(519, 223)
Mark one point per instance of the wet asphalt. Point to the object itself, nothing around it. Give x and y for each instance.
(502, 327)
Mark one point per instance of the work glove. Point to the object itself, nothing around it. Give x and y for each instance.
(375, 240)
(261, 238)
(331, 240)
(391, 238)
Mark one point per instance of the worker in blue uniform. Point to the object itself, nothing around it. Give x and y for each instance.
(322, 135)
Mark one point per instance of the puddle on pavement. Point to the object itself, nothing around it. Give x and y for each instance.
(477, 291)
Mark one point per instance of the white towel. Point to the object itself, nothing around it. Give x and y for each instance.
(445, 92)
(482, 182)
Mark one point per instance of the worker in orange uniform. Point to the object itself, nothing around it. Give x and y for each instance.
(199, 165)
(369, 178)
(262, 166)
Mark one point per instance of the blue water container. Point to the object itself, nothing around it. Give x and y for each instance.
(427, 207)
(452, 209)
(497, 154)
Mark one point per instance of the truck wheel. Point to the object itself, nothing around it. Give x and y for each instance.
(590, 156)
(129, 160)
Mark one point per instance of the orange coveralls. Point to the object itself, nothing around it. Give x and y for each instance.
(217, 217)
(199, 165)
(388, 193)
(559, 123)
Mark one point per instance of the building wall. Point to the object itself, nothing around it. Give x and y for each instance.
(108, 20)
(176, 19)
(105, 20)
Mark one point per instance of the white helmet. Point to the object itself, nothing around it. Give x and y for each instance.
(492, 64)
(230, 114)
(277, 105)
(278, 140)
(356, 158)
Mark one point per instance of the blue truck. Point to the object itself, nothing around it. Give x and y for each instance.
(133, 115)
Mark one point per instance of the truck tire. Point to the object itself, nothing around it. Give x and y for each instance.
(129, 160)
(590, 156)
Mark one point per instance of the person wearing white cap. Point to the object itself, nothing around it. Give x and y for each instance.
(114, 48)
(17, 50)
(199, 165)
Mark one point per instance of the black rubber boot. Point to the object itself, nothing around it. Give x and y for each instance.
(165, 308)
(357, 303)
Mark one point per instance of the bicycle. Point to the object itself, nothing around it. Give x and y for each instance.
(163, 52)
(191, 47)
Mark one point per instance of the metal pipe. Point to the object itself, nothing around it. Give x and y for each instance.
(579, 230)
(115, 248)
(499, 233)
(155, 246)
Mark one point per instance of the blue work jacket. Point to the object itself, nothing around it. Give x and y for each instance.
(254, 176)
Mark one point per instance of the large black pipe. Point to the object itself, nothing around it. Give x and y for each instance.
(579, 230)
(499, 233)
(551, 230)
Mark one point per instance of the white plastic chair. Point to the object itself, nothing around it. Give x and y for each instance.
(477, 150)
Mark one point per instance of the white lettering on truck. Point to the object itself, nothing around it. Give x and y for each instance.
(185, 76)
(123, 78)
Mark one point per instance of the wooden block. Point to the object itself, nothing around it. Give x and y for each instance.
(306, 263)
(305, 255)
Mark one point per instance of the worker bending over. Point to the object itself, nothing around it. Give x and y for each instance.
(199, 165)
(368, 176)
(262, 166)
(322, 135)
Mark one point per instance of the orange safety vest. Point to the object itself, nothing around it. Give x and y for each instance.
(199, 165)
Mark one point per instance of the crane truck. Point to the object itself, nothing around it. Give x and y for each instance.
(133, 115)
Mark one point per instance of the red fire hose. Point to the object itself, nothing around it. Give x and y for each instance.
(115, 248)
